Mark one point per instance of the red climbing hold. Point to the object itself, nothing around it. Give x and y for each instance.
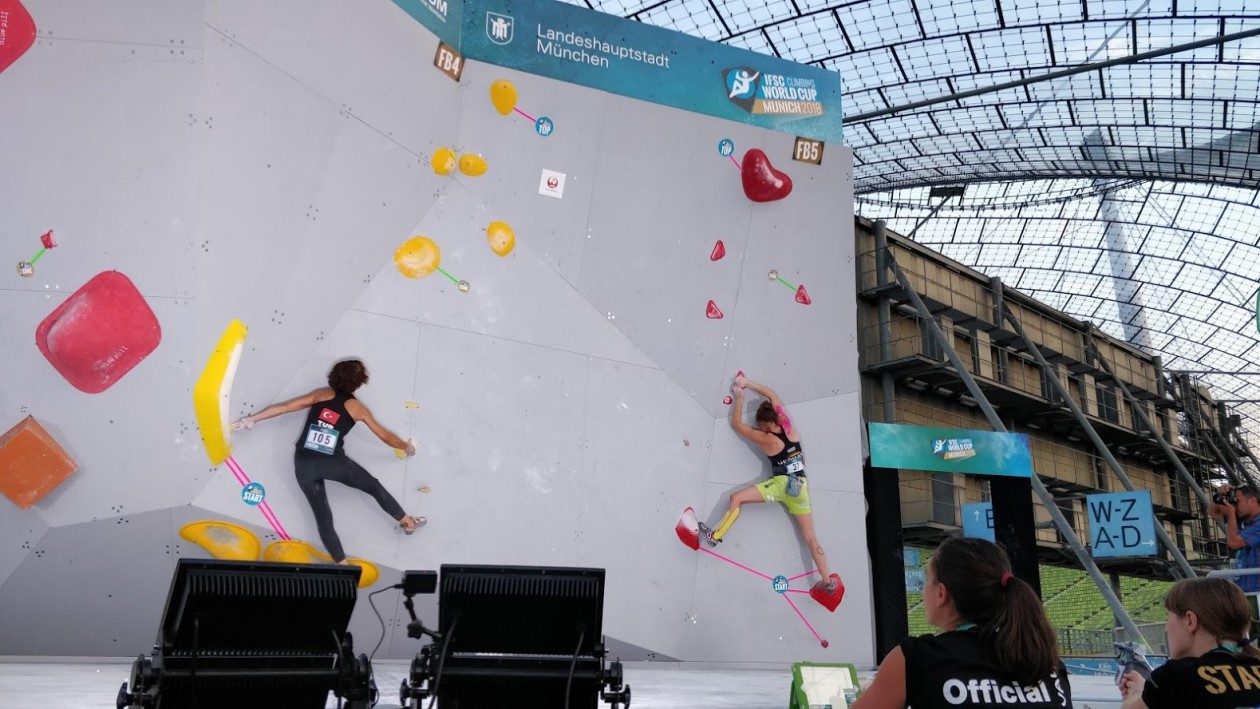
(727, 400)
(763, 183)
(47, 240)
(712, 312)
(830, 601)
(19, 32)
(99, 333)
(719, 250)
(802, 296)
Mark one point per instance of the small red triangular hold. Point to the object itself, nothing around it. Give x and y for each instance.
(712, 312)
(739, 373)
(802, 296)
(47, 240)
(828, 601)
(719, 250)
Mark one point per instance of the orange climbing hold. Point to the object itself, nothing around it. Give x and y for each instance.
(32, 464)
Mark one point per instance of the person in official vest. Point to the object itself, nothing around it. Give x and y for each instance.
(997, 647)
(1215, 663)
(321, 453)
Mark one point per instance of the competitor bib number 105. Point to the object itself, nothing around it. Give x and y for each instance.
(321, 440)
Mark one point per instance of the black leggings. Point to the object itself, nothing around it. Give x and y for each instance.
(312, 469)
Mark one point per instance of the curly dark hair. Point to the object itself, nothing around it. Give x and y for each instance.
(347, 375)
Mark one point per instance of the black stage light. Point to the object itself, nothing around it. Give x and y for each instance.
(253, 634)
(516, 636)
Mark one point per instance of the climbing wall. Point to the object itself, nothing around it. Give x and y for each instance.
(241, 160)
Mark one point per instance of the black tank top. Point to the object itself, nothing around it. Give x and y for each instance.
(327, 424)
(1217, 679)
(950, 670)
(789, 460)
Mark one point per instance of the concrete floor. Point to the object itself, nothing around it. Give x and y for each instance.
(73, 683)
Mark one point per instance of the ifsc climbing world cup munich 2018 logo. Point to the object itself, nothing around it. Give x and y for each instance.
(773, 94)
(499, 28)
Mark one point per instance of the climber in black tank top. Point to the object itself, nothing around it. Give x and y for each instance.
(321, 455)
(997, 648)
(781, 443)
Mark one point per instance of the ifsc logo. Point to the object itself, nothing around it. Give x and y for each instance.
(499, 28)
(741, 83)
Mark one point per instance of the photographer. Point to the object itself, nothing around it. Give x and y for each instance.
(1239, 508)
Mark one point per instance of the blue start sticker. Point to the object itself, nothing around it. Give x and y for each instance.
(779, 584)
(544, 126)
(253, 494)
(726, 147)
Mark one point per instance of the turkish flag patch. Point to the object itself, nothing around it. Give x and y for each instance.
(330, 416)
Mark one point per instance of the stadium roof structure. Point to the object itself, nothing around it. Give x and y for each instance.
(1126, 195)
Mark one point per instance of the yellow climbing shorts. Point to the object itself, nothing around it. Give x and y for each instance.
(775, 490)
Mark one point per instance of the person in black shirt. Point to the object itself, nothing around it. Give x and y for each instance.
(997, 648)
(321, 454)
(1214, 663)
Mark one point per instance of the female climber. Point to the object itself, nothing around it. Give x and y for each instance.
(781, 443)
(331, 413)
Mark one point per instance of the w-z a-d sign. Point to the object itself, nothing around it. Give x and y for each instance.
(1121, 524)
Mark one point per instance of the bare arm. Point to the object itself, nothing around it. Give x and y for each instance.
(764, 391)
(761, 438)
(779, 409)
(888, 690)
(388, 437)
(285, 407)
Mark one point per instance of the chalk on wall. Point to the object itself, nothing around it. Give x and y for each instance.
(32, 464)
(99, 333)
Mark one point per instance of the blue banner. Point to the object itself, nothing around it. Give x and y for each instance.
(637, 60)
(949, 450)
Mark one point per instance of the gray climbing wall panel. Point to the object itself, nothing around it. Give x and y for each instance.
(242, 160)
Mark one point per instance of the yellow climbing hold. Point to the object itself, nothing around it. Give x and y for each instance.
(501, 237)
(295, 551)
(223, 540)
(503, 96)
(418, 257)
(472, 164)
(443, 161)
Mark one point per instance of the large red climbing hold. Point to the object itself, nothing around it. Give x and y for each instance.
(17, 32)
(802, 296)
(712, 311)
(99, 333)
(719, 250)
(763, 183)
(830, 601)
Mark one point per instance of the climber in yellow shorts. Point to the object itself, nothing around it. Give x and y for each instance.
(781, 443)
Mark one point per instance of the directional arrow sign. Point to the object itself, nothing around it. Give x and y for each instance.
(978, 520)
(1121, 524)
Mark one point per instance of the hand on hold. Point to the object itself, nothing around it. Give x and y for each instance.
(737, 390)
(741, 381)
(410, 450)
(244, 424)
